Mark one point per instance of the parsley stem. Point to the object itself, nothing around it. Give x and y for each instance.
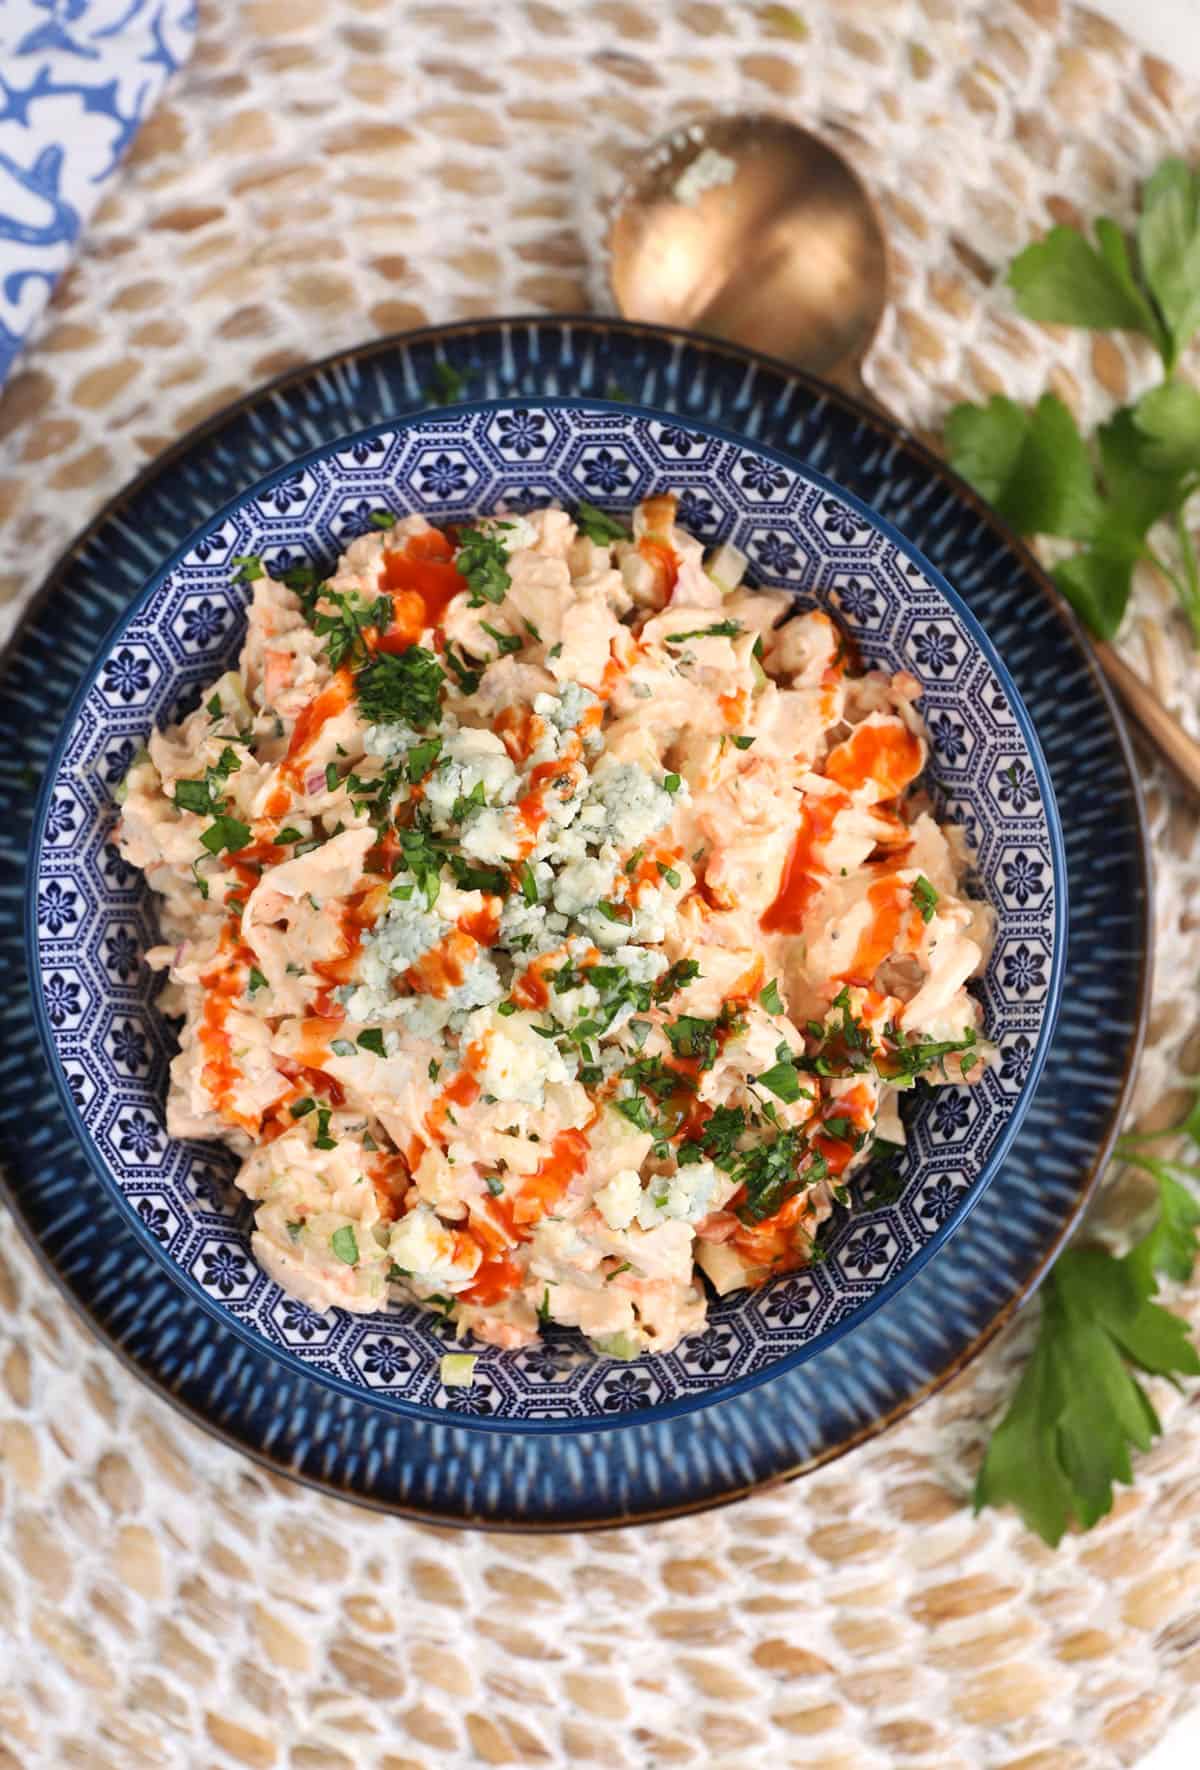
(1172, 577)
(1191, 596)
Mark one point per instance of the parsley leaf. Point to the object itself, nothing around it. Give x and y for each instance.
(783, 1080)
(422, 757)
(344, 1243)
(719, 630)
(401, 686)
(1066, 281)
(1168, 419)
(506, 643)
(691, 1036)
(1079, 1408)
(372, 1040)
(1168, 239)
(225, 832)
(1035, 468)
(770, 997)
(925, 898)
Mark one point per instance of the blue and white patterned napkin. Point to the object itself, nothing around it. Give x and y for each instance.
(77, 79)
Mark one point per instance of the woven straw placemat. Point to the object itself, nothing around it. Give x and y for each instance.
(326, 170)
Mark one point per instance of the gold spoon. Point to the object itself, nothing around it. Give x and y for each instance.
(755, 230)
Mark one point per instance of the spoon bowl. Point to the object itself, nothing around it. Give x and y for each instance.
(756, 230)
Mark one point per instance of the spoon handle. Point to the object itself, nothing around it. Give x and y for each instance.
(1163, 730)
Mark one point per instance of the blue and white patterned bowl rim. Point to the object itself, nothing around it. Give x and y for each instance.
(551, 1388)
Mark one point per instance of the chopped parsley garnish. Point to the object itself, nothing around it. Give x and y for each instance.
(925, 898)
(671, 783)
(598, 525)
(256, 980)
(435, 1069)
(653, 1075)
(771, 1173)
(840, 1127)
(194, 796)
(372, 1040)
(719, 630)
(214, 709)
(382, 519)
(482, 559)
(423, 856)
(226, 833)
(681, 972)
(323, 1140)
(504, 1009)
(529, 890)
(670, 875)
(401, 687)
(332, 777)
(468, 679)
(506, 643)
(299, 578)
(543, 1309)
(345, 1244)
(203, 798)
(421, 758)
(284, 836)
(743, 743)
(494, 1184)
(615, 912)
(299, 1108)
(636, 1111)
(250, 567)
(692, 1037)
(783, 1081)
(770, 997)
(466, 803)
(343, 627)
(471, 877)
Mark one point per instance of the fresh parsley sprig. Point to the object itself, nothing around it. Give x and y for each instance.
(1144, 464)
(1079, 1407)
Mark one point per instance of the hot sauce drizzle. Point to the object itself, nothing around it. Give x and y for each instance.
(803, 874)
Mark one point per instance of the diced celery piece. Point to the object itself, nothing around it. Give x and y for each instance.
(727, 567)
(624, 1345)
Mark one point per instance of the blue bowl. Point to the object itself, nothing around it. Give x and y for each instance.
(89, 916)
